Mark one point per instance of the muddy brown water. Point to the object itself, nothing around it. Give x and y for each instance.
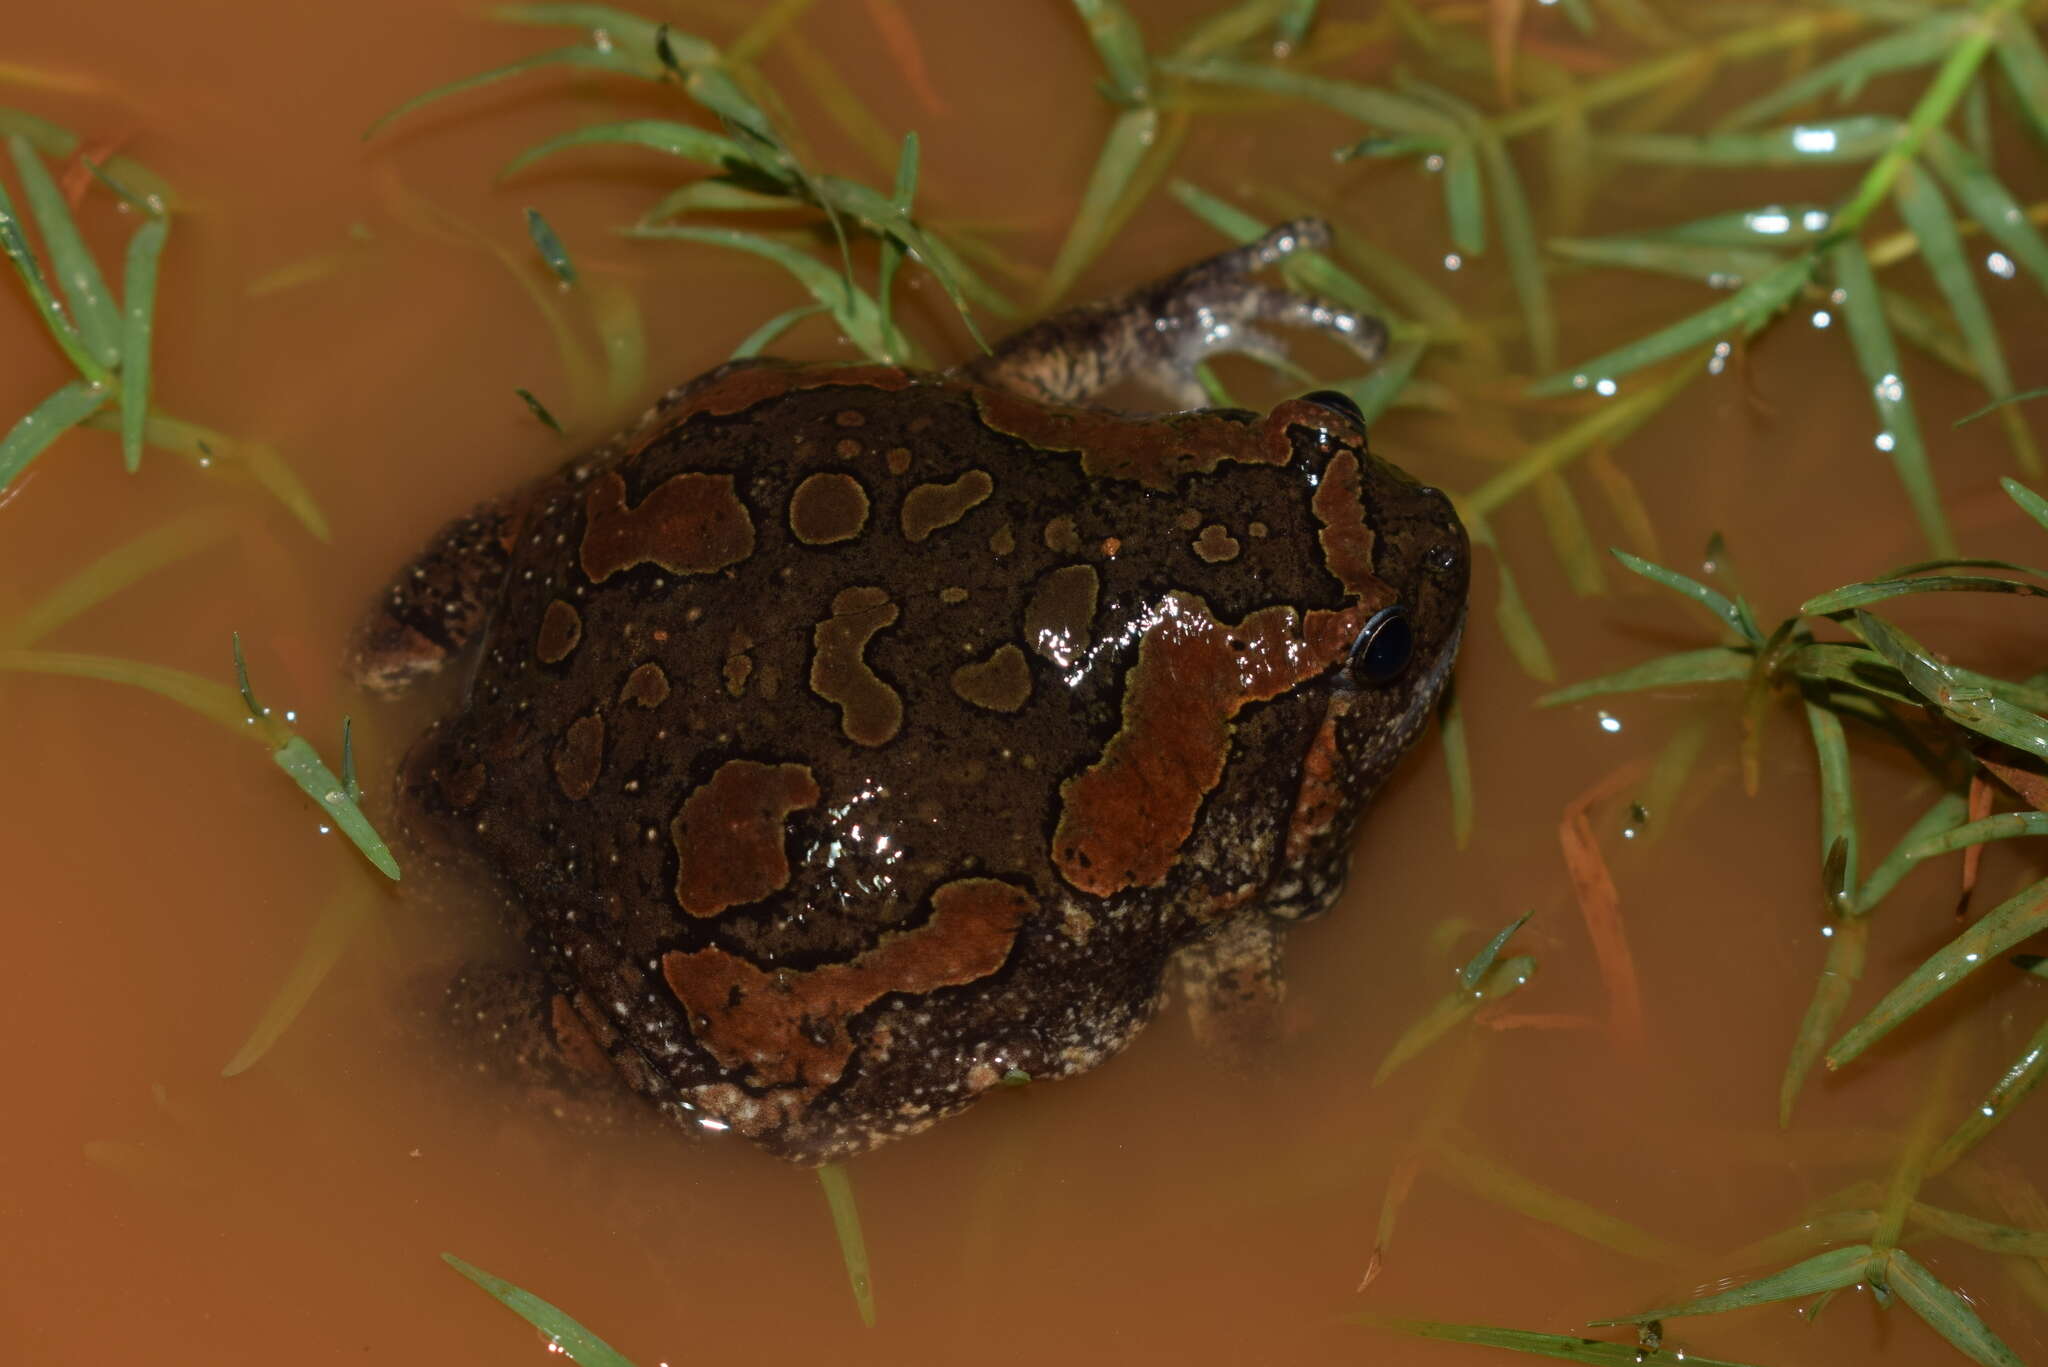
(162, 878)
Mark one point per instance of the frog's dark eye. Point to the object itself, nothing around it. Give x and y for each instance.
(1384, 647)
(1337, 402)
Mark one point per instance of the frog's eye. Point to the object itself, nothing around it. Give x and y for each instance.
(1383, 648)
(1337, 402)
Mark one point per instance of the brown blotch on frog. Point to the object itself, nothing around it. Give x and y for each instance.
(870, 711)
(691, 523)
(729, 834)
(561, 627)
(827, 508)
(930, 507)
(1001, 683)
(1057, 620)
(646, 685)
(580, 757)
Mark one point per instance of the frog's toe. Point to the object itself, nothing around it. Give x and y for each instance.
(1233, 986)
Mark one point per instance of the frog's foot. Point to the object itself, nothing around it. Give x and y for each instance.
(439, 602)
(514, 1026)
(1233, 985)
(1159, 333)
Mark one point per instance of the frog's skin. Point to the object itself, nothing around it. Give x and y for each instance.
(848, 740)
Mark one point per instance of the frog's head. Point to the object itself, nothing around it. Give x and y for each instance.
(1401, 553)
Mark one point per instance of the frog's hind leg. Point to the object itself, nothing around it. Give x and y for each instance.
(1157, 334)
(1233, 985)
(515, 1026)
(440, 601)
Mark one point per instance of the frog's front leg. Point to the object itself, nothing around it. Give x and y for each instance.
(440, 601)
(1157, 334)
(1233, 984)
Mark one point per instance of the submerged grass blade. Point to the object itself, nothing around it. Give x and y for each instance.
(14, 242)
(1610, 422)
(762, 337)
(116, 570)
(1870, 336)
(549, 245)
(1450, 721)
(852, 308)
(337, 925)
(1491, 1181)
(92, 306)
(1130, 138)
(1839, 841)
(1716, 664)
(1946, 811)
(1858, 137)
(1121, 46)
(563, 1333)
(1831, 1271)
(1712, 265)
(1568, 1347)
(1492, 981)
(215, 451)
(46, 422)
(2020, 1078)
(838, 1188)
(539, 410)
(2017, 918)
(657, 135)
(1914, 45)
(1985, 197)
(138, 326)
(1947, 1313)
(1841, 971)
(1525, 257)
(580, 55)
(1748, 309)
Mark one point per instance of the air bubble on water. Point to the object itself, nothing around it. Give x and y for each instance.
(1605, 389)
(1453, 261)
(1608, 721)
(1890, 389)
(1821, 318)
(2000, 265)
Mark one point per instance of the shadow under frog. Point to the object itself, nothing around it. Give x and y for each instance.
(847, 740)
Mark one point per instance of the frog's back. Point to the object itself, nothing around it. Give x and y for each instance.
(770, 685)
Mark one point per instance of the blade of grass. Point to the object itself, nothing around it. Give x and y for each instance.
(116, 570)
(1830, 1271)
(1992, 1238)
(337, 925)
(14, 242)
(1858, 137)
(1396, 114)
(2010, 922)
(1987, 706)
(1493, 981)
(1766, 227)
(2020, 1078)
(1926, 215)
(2026, 70)
(852, 309)
(656, 135)
(1716, 664)
(1518, 240)
(92, 307)
(1987, 200)
(1944, 813)
(838, 1188)
(1721, 267)
(2004, 826)
(46, 422)
(1121, 47)
(1455, 1159)
(1839, 841)
(1130, 137)
(216, 452)
(563, 1333)
(579, 55)
(1570, 1348)
(549, 245)
(1517, 625)
(1877, 590)
(763, 336)
(1610, 422)
(1747, 310)
(1870, 338)
(539, 411)
(138, 325)
(1450, 721)
(1726, 612)
(622, 337)
(1842, 969)
(299, 759)
(1947, 1313)
(1565, 523)
(1915, 45)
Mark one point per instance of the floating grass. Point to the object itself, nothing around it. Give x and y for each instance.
(549, 244)
(341, 919)
(564, 1334)
(138, 327)
(539, 411)
(1482, 979)
(1533, 1343)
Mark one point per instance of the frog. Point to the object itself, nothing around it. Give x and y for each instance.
(846, 741)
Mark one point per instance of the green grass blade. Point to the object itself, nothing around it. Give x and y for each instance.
(1518, 240)
(1608, 423)
(1853, 666)
(1120, 45)
(838, 1188)
(714, 196)
(1992, 1238)
(1450, 721)
(1396, 114)
(2023, 396)
(216, 702)
(216, 452)
(1748, 309)
(656, 135)
(1295, 18)
(1716, 664)
(138, 293)
(539, 411)
(116, 570)
(1565, 524)
(1947, 1313)
(893, 221)
(563, 1333)
(2004, 826)
(337, 925)
(1464, 197)
(1489, 1180)
(1856, 138)
(1839, 842)
(1130, 138)
(621, 336)
(1476, 969)
(125, 176)
(2022, 1077)
(1926, 214)
(44, 423)
(1841, 971)
(1945, 812)
(852, 309)
(1933, 334)
(1991, 707)
(764, 336)
(1570, 1348)
(616, 27)
(1876, 591)
(1915, 45)
(2031, 503)
(1496, 980)
(1721, 267)
(2006, 925)
(1518, 625)
(1987, 200)
(550, 247)
(1767, 227)
(580, 55)
(1898, 422)
(1713, 600)
(299, 759)
(1830, 1271)
(2026, 69)
(92, 307)
(14, 242)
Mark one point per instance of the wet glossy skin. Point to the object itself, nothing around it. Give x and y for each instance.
(848, 740)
